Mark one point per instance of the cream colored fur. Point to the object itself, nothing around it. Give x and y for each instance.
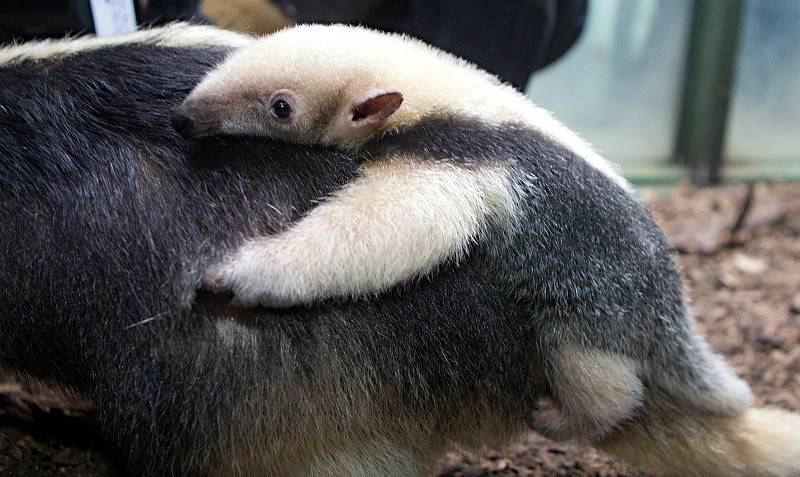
(758, 442)
(594, 392)
(174, 35)
(399, 220)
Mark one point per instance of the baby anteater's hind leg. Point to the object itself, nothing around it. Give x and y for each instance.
(591, 392)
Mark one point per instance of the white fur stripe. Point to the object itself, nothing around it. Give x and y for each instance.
(174, 35)
(398, 221)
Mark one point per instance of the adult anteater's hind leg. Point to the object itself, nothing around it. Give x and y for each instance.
(591, 392)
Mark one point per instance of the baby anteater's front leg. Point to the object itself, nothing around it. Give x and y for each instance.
(592, 391)
(399, 220)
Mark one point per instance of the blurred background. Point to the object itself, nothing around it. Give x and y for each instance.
(626, 83)
(708, 89)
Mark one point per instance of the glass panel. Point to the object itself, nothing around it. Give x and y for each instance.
(619, 85)
(765, 109)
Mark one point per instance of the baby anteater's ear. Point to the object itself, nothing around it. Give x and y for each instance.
(376, 108)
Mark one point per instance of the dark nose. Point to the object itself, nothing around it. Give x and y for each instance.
(183, 124)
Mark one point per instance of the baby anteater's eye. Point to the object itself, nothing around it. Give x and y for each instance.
(281, 109)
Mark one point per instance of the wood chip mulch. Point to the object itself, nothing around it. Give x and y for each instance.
(740, 253)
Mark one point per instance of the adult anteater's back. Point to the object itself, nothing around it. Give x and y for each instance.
(109, 221)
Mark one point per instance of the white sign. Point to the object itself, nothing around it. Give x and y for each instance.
(113, 17)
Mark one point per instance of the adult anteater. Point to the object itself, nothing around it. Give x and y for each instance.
(110, 219)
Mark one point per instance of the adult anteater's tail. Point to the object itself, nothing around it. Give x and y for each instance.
(758, 442)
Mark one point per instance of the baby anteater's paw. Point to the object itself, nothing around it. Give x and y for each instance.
(256, 275)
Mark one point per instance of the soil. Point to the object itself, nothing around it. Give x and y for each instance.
(741, 260)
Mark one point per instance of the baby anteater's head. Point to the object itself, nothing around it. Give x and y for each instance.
(333, 85)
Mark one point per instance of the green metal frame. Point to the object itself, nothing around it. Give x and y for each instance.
(707, 86)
